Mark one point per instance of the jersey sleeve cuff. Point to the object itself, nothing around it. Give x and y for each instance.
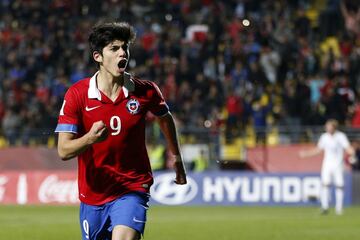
(64, 127)
(162, 112)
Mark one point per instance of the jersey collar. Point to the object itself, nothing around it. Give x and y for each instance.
(129, 85)
(93, 91)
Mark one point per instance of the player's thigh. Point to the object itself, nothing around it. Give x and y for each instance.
(121, 232)
(94, 222)
(130, 210)
(326, 176)
(339, 178)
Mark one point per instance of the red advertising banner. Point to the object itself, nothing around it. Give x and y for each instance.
(284, 159)
(38, 187)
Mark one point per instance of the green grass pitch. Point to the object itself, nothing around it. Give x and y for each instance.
(191, 223)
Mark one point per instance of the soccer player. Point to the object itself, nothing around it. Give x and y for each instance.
(102, 122)
(333, 143)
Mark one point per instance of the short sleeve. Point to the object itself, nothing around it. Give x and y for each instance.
(321, 142)
(158, 105)
(344, 141)
(69, 114)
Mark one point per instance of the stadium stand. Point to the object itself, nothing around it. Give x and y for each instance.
(261, 66)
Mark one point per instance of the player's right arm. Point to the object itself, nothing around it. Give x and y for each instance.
(69, 146)
(69, 143)
(314, 151)
(310, 152)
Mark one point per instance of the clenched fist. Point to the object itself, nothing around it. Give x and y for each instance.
(98, 132)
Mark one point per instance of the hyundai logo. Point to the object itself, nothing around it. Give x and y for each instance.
(165, 191)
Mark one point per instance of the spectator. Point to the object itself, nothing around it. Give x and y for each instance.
(11, 125)
(355, 122)
(270, 61)
(259, 114)
(292, 102)
(198, 61)
(234, 109)
(351, 15)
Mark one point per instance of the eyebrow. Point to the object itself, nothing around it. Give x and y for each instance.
(119, 44)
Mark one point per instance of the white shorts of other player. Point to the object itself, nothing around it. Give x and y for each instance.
(332, 174)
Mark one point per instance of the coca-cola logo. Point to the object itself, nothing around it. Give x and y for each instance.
(3, 181)
(55, 190)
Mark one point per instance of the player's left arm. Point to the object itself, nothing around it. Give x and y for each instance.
(349, 149)
(166, 121)
(168, 128)
(352, 154)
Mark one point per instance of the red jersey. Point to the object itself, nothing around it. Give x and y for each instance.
(120, 163)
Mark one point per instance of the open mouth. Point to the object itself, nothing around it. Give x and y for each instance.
(122, 63)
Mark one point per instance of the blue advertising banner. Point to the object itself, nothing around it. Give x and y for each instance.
(241, 188)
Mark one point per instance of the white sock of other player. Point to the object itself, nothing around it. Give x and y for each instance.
(339, 198)
(325, 197)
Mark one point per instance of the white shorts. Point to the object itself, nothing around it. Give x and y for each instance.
(332, 175)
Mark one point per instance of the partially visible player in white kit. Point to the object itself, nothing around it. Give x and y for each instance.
(333, 143)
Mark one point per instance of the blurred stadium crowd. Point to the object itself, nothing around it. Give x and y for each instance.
(220, 64)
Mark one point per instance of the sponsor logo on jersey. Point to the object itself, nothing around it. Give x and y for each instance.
(62, 108)
(133, 106)
(88, 109)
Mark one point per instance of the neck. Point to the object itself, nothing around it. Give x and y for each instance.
(109, 84)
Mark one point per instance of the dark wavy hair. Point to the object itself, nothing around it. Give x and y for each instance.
(104, 33)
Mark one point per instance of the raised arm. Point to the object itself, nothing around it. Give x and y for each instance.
(343, 9)
(69, 146)
(167, 126)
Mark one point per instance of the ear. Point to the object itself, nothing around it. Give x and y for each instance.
(97, 56)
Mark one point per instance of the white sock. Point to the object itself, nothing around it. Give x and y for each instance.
(339, 198)
(325, 197)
